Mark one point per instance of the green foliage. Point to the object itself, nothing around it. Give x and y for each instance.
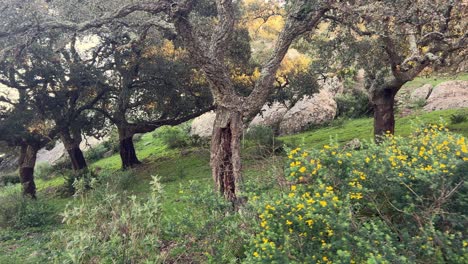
(9, 178)
(108, 226)
(173, 137)
(19, 212)
(459, 117)
(418, 104)
(44, 171)
(208, 230)
(403, 201)
(96, 153)
(264, 140)
(354, 105)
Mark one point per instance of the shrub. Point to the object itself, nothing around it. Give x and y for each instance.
(353, 105)
(459, 117)
(264, 140)
(96, 153)
(403, 201)
(19, 212)
(107, 226)
(173, 137)
(208, 231)
(44, 171)
(9, 178)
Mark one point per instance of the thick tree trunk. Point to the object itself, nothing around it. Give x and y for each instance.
(384, 115)
(27, 161)
(74, 152)
(127, 149)
(225, 153)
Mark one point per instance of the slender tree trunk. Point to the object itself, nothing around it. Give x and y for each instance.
(27, 161)
(225, 153)
(74, 152)
(384, 114)
(127, 149)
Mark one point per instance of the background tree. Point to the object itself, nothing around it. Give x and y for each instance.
(60, 84)
(19, 127)
(151, 84)
(394, 41)
(206, 43)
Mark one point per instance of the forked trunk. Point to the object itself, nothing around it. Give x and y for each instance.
(225, 153)
(27, 161)
(384, 115)
(127, 149)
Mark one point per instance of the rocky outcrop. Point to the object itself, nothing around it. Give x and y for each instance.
(9, 162)
(58, 151)
(316, 109)
(448, 95)
(421, 93)
(270, 115)
(202, 126)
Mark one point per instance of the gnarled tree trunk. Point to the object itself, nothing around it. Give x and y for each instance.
(225, 158)
(384, 114)
(27, 161)
(127, 149)
(72, 145)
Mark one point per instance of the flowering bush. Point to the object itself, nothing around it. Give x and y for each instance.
(402, 201)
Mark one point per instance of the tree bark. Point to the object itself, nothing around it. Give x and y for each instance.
(72, 146)
(127, 149)
(384, 114)
(225, 158)
(27, 161)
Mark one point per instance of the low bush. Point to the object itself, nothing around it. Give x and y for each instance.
(172, 136)
(353, 105)
(44, 171)
(403, 201)
(96, 153)
(459, 117)
(105, 225)
(9, 178)
(208, 231)
(264, 140)
(19, 212)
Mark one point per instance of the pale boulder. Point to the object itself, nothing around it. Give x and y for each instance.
(202, 126)
(448, 95)
(421, 93)
(316, 109)
(270, 115)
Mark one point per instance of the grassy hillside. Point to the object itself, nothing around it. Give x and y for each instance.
(178, 170)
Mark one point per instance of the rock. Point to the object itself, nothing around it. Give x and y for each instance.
(270, 115)
(108, 154)
(421, 93)
(448, 95)
(202, 126)
(317, 109)
(354, 144)
(9, 162)
(51, 156)
(332, 85)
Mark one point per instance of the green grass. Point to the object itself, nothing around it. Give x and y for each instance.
(435, 80)
(177, 169)
(363, 129)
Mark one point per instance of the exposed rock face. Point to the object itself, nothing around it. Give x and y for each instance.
(311, 110)
(9, 162)
(59, 151)
(421, 93)
(202, 126)
(448, 95)
(315, 109)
